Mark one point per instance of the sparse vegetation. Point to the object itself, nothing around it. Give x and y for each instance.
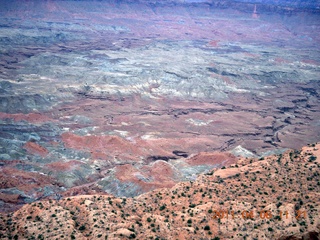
(92, 215)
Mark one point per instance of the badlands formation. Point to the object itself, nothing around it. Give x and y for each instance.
(142, 119)
(275, 197)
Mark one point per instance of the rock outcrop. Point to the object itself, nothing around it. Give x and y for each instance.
(275, 197)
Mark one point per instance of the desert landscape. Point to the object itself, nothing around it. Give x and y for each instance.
(274, 197)
(182, 111)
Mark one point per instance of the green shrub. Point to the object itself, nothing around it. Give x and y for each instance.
(162, 207)
(82, 228)
(207, 228)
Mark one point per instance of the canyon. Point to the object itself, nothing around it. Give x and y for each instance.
(119, 99)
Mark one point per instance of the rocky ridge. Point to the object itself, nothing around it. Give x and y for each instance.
(275, 197)
(89, 89)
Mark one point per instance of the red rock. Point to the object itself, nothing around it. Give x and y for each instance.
(159, 175)
(225, 159)
(25, 181)
(102, 146)
(9, 198)
(30, 117)
(64, 166)
(35, 148)
(214, 43)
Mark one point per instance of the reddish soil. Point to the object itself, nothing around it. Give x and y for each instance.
(10, 198)
(214, 206)
(214, 43)
(202, 158)
(30, 117)
(159, 174)
(64, 166)
(26, 181)
(102, 146)
(35, 148)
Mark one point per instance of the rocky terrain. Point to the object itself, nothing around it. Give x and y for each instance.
(124, 98)
(275, 197)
